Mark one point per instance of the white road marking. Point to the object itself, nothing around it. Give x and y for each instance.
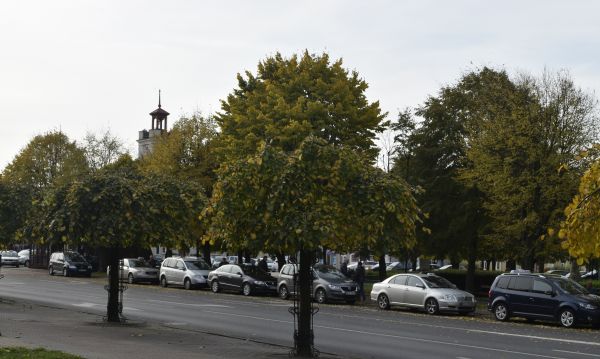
(12, 283)
(190, 304)
(87, 305)
(578, 353)
(130, 308)
(395, 336)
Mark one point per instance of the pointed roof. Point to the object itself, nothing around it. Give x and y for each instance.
(159, 112)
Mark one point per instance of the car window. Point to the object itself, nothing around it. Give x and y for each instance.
(569, 286)
(179, 265)
(413, 282)
(225, 269)
(329, 273)
(399, 280)
(60, 257)
(197, 265)
(434, 281)
(540, 286)
(503, 282)
(236, 270)
(520, 283)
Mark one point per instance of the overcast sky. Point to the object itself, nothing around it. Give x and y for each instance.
(84, 66)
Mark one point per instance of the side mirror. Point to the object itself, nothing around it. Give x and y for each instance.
(550, 293)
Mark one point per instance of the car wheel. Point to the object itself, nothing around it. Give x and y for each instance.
(215, 286)
(163, 282)
(247, 289)
(283, 292)
(431, 306)
(320, 296)
(501, 312)
(65, 272)
(51, 270)
(383, 302)
(567, 318)
(130, 278)
(187, 284)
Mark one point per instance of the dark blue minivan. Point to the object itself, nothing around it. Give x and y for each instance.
(543, 297)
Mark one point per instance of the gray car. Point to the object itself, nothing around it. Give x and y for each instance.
(189, 273)
(10, 258)
(422, 291)
(137, 270)
(328, 284)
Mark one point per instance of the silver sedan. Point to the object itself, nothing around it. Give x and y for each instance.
(429, 292)
(137, 270)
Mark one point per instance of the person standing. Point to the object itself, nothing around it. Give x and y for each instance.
(344, 268)
(263, 264)
(359, 277)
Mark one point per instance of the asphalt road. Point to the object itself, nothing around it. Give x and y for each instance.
(343, 330)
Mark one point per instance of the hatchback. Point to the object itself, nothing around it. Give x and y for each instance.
(422, 291)
(543, 297)
(137, 270)
(328, 284)
(9, 258)
(187, 273)
(69, 264)
(247, 279)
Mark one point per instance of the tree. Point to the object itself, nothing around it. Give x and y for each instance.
(520, 134)
(580, 230)
(102, 150)
(116, 208)
(15, 203)
(186, 152)
(319, 195)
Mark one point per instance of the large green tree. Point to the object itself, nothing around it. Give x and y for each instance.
(116, 208)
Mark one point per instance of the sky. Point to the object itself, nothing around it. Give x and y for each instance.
(94, 65)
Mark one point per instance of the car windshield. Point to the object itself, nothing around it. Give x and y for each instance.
(196, 265)
(437, 282)
(9, 253)
(74, 257)
(138, 263)
(253, 270)
(330, 273)
(569, 286)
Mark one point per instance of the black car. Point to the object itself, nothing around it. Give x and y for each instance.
(69, 264)
(543, 297)
(247, 279)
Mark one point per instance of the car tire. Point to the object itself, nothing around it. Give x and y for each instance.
(130, 279)
(383, 302)
(65, 272)
(163, 282)
(284, 293)
(214, 286)
(431, 306)
(567, 318)
(320, 296)
(51, 270)
(187, 284)
(246, 289)
(501, 312)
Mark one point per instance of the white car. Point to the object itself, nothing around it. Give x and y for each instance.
(24, 257)
(183, 272)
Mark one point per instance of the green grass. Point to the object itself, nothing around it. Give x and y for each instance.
(39, 353)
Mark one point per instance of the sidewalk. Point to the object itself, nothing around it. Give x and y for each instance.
(76, 332)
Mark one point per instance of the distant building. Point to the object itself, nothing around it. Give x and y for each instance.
(147, 138)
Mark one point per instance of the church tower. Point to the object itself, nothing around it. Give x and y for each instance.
(159, 126)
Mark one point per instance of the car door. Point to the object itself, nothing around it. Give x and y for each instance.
(169, 269)
(223, 276)
(414, 293)
(396, 287)
(237, 277)
(179, 272)
(543, 300)
(519, 294)
(60, 263)
(124, 269)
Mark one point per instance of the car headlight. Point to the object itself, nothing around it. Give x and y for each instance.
(333, 287)
(259, 282)
(587, 306)
(450, 298)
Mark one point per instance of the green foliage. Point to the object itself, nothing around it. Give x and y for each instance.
(15, 203)
(39, 353)
(186, 151)
(290, 99)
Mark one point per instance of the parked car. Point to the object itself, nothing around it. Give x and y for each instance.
(429, 292)
(543, 297)
(187, 273)
(561, 272)
(247, 279)
(376, 267)
(137, 270)
(69, 264)
(593, 274)
(24, 257)
(9, 258)
(367, 264)
(328, 284)
(398, 266)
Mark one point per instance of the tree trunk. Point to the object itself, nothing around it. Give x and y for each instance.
(112, 309)
(280, 260)
(304, 337)
(472, 258)
(206, 252)
(240, 256)
(574, 270)
(325, 261)
(382, 268)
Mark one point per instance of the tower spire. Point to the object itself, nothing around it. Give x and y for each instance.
(158, 98)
